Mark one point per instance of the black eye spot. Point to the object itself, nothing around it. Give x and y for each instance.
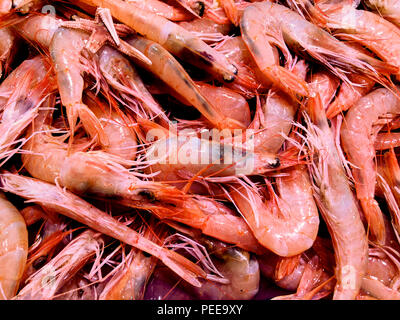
(147, 255)
(275, 164)
(148, 195)
(200, 8)
(39, 262)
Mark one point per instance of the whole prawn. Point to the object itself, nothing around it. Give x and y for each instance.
(173, 37)
(14, 248)
(337, 205)
(296, 227)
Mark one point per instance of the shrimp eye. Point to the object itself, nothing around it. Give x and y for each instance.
(148, 195)
(39, 262)
(275, 164)
(200, 8)
(147, 255)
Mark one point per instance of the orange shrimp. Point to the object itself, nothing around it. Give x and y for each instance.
(165, 66)
(14, 248)
(358, 144)
(130, 281)
(45, 283)
(121, 75)
(67, 203)
(389, 9)
(287, 225)
(173, 37)
(281, 26)
(162, 9)
(348, 94)
(7, 47)
(23, 104)
(337, 204)
(231, 11)
(368, 29)
(236, 266)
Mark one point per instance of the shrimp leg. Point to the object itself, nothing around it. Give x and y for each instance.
(173, 37)
(67, 203)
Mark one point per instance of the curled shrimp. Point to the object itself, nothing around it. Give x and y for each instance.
(165, 66)
(237, 266)
(45, 283)
(119, 128)
(337, 204)
(121, 75)
(67, 203)
(22, 106)
(14, 248)
(282, 26)
(349, 94)
(173, 37)
(389, 9)
(129, 283)
(288, 224)
(368, 29)
(358, 143)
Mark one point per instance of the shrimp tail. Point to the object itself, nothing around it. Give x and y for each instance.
(288, 81)
(374, 217)
(183, 267)
(91, 123)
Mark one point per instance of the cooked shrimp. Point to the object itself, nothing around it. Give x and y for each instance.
(22, 106)
(228, 102)
(389, 9)
(188, 153)
(165, 66)
(118, 128)
(249, 78)
(368, 29)
(129, 283)
(231, 11)
(38, 29)
(281, 25)
(45, 283)
(196, 7)
(358, 143)
(69, 69)
(237, 266)
(173, 37)
(206, 29)
(67, 203)
(349, 94)
(5, 7)
(162, 9)
(337, 205)
(387, 140)
(14, 248)
(32, 214)
(121, 75)
(287, 224)
(7, 47)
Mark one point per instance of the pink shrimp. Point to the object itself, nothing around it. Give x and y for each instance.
(162, 9)
(359, 147)
(14, 248)
(337, 204)
(288, 224)
(173, 37)
(67, 203)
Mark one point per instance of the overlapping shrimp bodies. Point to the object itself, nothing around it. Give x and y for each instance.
(219, 142)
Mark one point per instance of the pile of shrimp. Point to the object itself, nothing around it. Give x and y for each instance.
(111, 189)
